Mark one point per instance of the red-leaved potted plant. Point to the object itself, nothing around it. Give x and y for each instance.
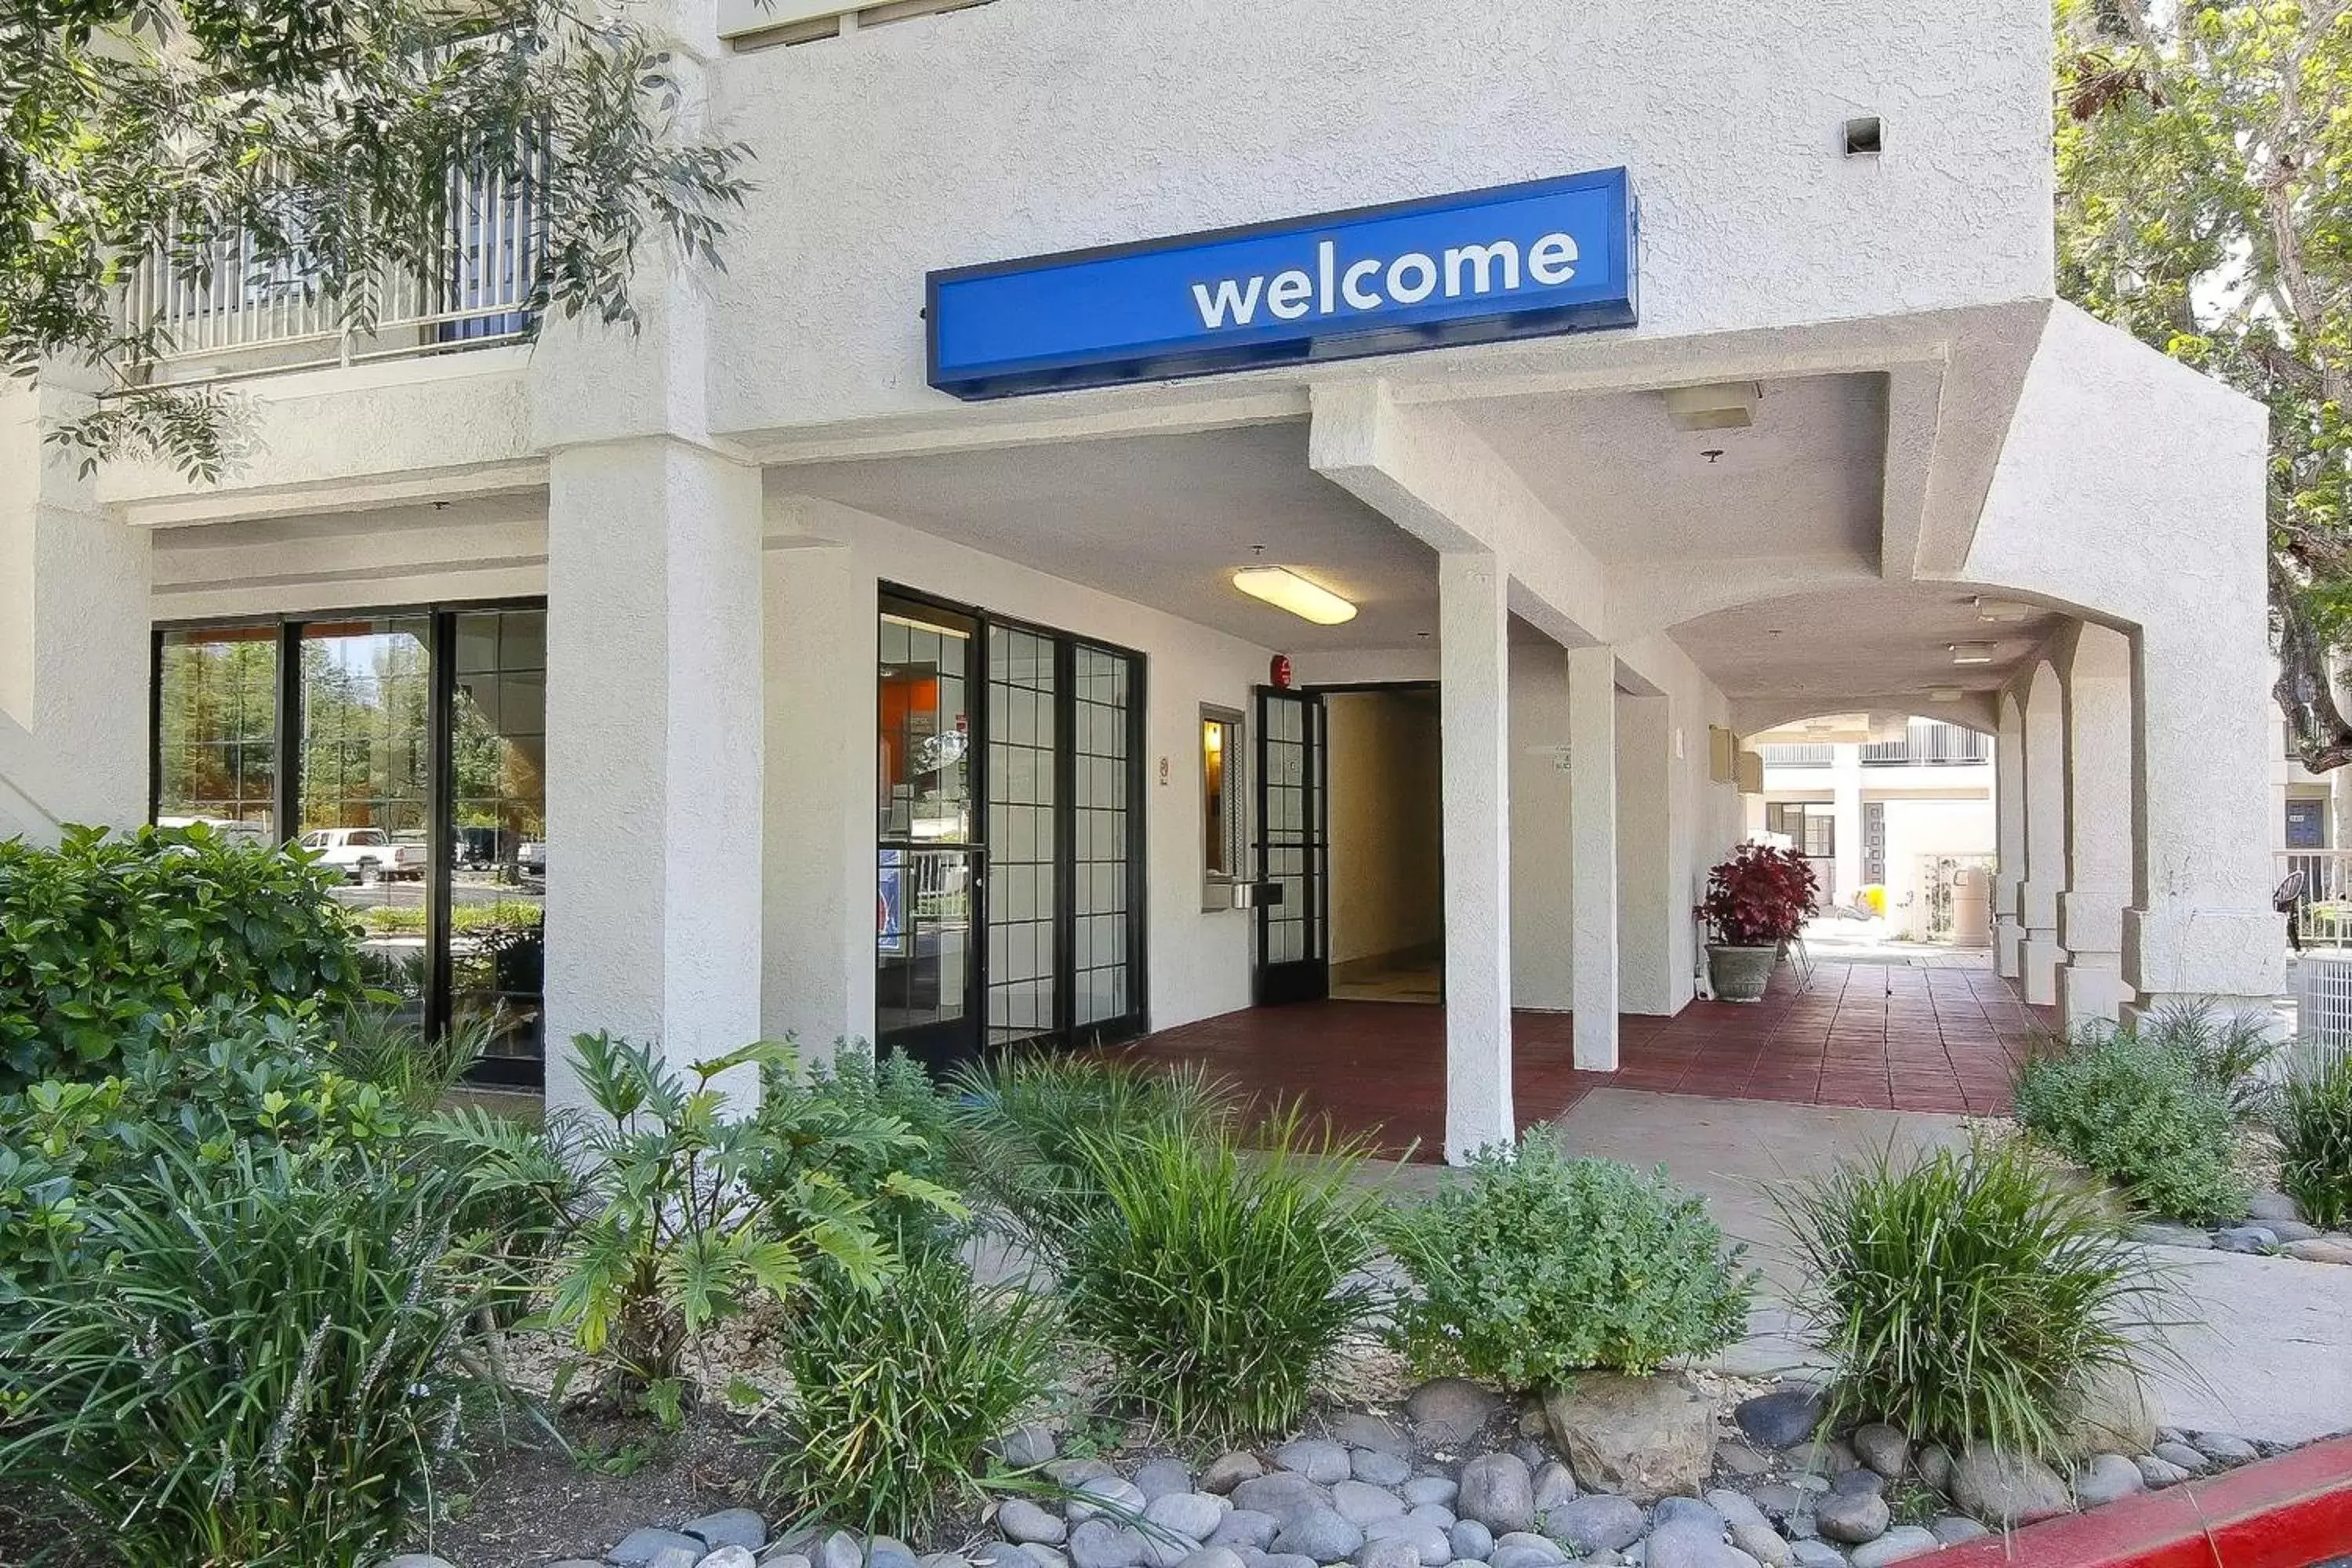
(1756, 901)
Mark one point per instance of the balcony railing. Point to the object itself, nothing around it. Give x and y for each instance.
(2320, 881)
(239, 317)
(1932, 745)
(1798, 756)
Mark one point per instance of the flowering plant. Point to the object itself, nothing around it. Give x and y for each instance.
(1761, 897)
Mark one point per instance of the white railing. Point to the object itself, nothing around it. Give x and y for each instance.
(2323, 898)
(238, 317)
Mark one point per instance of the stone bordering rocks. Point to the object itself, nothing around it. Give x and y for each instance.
(1462, 1479)
(2273, 1227)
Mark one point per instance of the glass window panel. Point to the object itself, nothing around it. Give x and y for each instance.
(497, 889)
(367, 692)
(217, 741)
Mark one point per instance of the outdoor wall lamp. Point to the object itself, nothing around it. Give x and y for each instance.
(1286, 590)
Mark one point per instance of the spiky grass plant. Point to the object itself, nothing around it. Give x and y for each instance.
(1022, 1119)
(1966, 1296)
(2314, 1135)
(895, 1391)
(252, 1361)
(1218, 1270)
(2144, 1109)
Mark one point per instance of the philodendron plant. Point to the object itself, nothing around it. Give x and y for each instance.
(667, 1216)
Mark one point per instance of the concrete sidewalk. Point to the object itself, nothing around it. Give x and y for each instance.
(2268, 1356)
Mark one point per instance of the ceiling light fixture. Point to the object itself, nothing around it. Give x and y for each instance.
(1972, 652)
(1944, 694)
(1723, 406)
(2000, 610)
(1286, 590)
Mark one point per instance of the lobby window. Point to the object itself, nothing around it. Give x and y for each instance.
(1224, 848)
(216, 730)
(1810, 827)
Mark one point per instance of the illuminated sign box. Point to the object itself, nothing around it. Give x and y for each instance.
(1526, 260)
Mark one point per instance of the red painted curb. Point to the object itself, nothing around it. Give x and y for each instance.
(2292, 1511)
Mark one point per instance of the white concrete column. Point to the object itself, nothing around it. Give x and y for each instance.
(75, 631)
(1592, 762)
(2038, 953)
(1650, 908)
(1845, 808)
(2201, 928)
(655, 740)
(818, 983)
(1473, 709)
(2096, 671)
(2009, 833)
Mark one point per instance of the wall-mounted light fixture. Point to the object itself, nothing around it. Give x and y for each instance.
(1720, 405)
(1286, 590)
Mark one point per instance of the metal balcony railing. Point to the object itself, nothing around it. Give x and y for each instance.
(238, 317)
(2322, 896)
(1798, 756)
(1930, 744)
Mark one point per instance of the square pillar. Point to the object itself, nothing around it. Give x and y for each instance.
(654, 743)
(1593, 769)
(1474, 674)
(2096, 674)
(1650, 912)
(2008, 836)
(818, 979)
(1846, 812)
(2201, 929)
(76, 631)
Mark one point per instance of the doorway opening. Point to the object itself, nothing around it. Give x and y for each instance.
(1387, 874)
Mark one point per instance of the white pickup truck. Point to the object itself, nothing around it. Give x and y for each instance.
(365, 853)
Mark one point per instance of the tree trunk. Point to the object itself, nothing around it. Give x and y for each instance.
(2315, 725)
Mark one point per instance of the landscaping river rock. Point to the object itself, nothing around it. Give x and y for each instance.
(1457, 1484)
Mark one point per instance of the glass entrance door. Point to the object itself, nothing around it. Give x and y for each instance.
(1293, 943)
(1008, 877)
(928, 856)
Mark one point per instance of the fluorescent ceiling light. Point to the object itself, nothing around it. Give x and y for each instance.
(1998, 610)
(1724, 405)
(1972, 652)
(1944, 694)
(1286, 590)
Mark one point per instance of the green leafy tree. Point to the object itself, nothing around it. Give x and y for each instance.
(324, 132)
(2205, 205)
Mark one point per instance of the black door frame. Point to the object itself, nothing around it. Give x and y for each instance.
(1307, 979)
(937, 1045)
(441, 780)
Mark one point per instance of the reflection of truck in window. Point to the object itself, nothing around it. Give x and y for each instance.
(365, 853)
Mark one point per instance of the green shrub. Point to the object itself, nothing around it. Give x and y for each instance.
(2230, 1054)
(1021, 1118)
(895, 1391)
(2314, 1134)
(1218, 1281)
(251, 1362)
(2143, 1112)
(197, 1089)
(1538, 1265)
(105, 937)
(666, 1224)
(1968, 1296)
(879, 1129)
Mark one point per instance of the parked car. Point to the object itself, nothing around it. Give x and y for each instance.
(530, 861)
(365, 853)
(245, 833)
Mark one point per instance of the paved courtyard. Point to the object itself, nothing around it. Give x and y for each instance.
(1867, 1033)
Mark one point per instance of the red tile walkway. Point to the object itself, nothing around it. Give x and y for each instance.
(1891, 1035)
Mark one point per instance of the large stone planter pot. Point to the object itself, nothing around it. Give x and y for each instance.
(1740, 973)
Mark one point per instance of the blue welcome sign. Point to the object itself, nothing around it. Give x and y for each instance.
(1549, 256)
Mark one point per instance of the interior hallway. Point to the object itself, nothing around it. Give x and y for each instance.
(1880, 1036)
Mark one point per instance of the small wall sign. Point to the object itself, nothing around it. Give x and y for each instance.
(1277, 674)
(1549, 256)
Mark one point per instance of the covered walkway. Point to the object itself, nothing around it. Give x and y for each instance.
(1880, 1036)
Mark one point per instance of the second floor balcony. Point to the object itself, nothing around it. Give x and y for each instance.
(1930, 742)
(238, 315)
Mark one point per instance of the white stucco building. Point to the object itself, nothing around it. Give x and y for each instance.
(811, 698)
